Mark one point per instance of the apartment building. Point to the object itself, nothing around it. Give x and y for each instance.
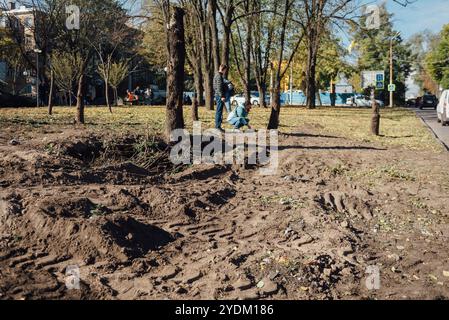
(19, 19)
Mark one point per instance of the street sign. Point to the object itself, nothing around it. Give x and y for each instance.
(341, 89)
(392, 88)
(374, 79)
(380, 77)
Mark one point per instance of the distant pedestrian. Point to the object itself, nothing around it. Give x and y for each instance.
(229, 92)
(220, 95)
(239, 117)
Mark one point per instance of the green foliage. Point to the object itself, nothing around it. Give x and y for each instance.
(66, 68)
(437, 61)
(11, 54)
(118, 71)
(373, 51)
(153, 48)
(421, 44)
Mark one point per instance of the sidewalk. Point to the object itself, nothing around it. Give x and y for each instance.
(430, 118)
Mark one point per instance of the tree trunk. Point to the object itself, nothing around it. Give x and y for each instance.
(80, 100)
(375, 120)
(115, 97)
(106, 89)
(175, 71)
(208, 89)
(262, 94)
(311, 74)
(273, 124)
(195, 116)
(198, 78)
(212, 6)
(318, 97)
(227, 29)
(50, 95)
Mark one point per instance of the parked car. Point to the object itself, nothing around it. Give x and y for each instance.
(239, 99)
(13, 101)
(361, 101)
(411, 103)
(159, 96)
(443, 108)
(428, 101)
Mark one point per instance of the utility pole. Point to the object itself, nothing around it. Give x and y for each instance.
(37, 51)
(391, 73)
(271, 82)
(291, 84)
(375, 120)
(391, 67)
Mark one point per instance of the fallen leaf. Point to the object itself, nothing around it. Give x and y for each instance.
(434, 278)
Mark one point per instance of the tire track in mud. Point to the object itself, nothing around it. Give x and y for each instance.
(224, 233)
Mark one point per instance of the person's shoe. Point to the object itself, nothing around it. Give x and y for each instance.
(221, 130)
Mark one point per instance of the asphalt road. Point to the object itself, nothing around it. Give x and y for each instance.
(429, 116)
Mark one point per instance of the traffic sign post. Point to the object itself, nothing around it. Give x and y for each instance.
(392, 88)
(373, 79)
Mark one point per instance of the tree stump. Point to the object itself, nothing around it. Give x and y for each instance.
(195, 116)
(175, 71)
(375, 120)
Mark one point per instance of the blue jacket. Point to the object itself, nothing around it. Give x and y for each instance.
(240, 114)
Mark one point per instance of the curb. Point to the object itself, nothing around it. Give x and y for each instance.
(445, 146)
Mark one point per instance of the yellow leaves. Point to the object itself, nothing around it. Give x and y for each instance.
(399, 127)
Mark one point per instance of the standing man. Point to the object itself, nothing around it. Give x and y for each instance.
(220, 95)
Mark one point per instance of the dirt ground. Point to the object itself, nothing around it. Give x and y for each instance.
(335, 209)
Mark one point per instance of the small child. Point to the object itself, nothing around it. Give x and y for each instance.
(239, 117)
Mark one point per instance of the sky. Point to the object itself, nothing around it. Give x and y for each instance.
(418, 16)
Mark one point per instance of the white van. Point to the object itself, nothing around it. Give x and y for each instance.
(443, 108)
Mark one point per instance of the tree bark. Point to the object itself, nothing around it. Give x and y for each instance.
(227, 29)
(273, 124)
(175, 71)
(311, 72)
(115, 96)
(106, 89)
(198, 78)
(208, 89)
(375, 120)
(262, 94)
(80, 100)
(195, 116)
(249, 34)
(50, 95)
(212, 8)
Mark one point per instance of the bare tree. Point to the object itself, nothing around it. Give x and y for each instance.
(262, 48)
(117, 73)
(318, 14)
(242, 45)
(65, 67)
(176, 52)
(279, 67)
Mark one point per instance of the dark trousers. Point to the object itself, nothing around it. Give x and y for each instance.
(219, 113)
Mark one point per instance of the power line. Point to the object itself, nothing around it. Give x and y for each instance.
(405, 3)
